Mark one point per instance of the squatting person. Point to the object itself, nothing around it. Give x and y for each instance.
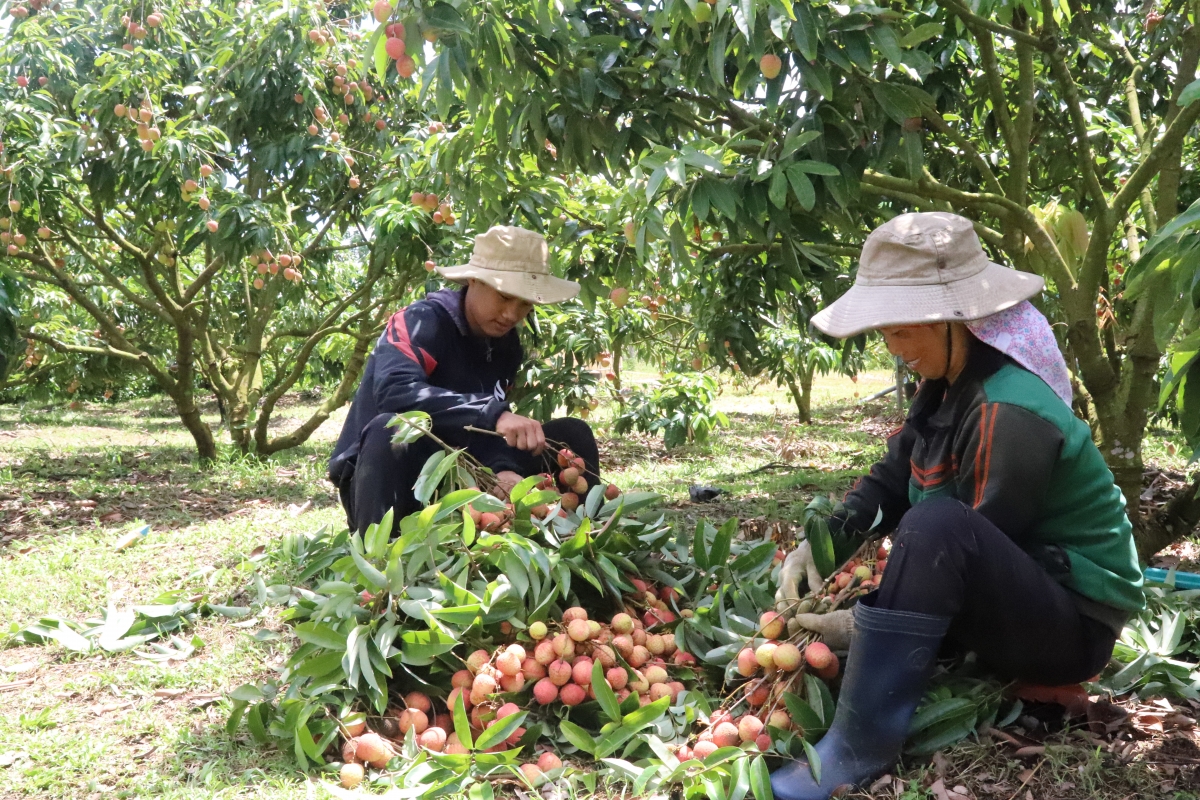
(455, 355)
(1009, 536)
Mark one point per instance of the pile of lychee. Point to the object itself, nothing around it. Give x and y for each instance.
(560, 668)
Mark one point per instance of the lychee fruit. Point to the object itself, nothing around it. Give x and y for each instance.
(433, 739)
(414, 719)
(765, 655)
(508, 663)
(454, 747)
(770, 64)
(703, 750)
(351, 775)
(747, 664)
(772, 625)
(726, 735)
(572, 694)
(564, 646)
(617, 678)
(611, 492)
(373, 749)
(544, 653)
(749, 727)
(532, 773)
(533, 670)
(507, 710)
(549, 761)
(780, 719)
(482, 688)
(818, 655)
(829, 672)
(462, 679)
(656, 674)
(581, 673)
(559, 673)
(418, 701)
(545, 691)
(512, 683)
(787, 657)
(579, 630)
(538, 631)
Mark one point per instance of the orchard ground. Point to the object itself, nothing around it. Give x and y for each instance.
(72, 482)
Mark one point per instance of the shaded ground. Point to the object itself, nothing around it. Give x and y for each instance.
(73, 482)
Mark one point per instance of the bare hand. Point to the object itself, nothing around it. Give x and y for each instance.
(522, 433)
(505, 481)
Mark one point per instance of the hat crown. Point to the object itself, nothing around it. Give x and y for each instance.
(506, 248)
(921, 249)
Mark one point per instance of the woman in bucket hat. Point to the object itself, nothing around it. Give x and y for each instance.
(455, 356)
(1009, 536)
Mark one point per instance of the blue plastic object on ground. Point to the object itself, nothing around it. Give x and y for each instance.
(1183, 580)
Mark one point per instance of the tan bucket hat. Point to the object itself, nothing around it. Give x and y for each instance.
(513, 261)
(922, 268)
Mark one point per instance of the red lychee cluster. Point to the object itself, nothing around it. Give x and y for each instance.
(266, 264)
(860, 575)
(442, 212)
(726, 730)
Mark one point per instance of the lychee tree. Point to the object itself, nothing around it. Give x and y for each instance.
(1061, 130)
(200, 183)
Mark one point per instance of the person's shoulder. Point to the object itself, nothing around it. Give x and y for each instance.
(1014, 385)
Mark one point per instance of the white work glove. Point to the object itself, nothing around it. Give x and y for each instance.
(835, 627)
(798, 577)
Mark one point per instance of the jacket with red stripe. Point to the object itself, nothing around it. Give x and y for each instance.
(1001, 441)
(428, 360)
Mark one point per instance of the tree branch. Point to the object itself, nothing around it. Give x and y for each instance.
(1084, 154)
(63, 347)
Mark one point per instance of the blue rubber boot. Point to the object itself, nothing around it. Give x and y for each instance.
(892, 656)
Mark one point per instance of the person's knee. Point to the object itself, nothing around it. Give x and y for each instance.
(571, 431)
(933, 525)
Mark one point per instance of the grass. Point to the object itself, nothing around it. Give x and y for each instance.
(120, 726)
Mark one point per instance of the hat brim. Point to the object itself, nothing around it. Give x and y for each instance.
(533, 287)
(990, 291)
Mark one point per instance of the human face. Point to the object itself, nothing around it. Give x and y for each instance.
(492, 313)
(921, 347)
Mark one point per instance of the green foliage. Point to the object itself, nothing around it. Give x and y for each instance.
(680, 406)
(1158, 653)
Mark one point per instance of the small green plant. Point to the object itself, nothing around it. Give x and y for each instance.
(681, 406)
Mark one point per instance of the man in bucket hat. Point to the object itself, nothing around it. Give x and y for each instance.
(455, 355)
(1009, 536)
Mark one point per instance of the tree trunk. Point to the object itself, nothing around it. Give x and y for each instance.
(802, 393)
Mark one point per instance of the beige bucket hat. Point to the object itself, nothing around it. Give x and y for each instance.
(922, 268)
(513, 261)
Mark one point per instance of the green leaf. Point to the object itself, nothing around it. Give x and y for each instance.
(805, 717)
(500, 731)
(1190, 93)
(443, 16)
(804, 32)
(719, 554)
(419, 648)
(814, 760)
(816, 76)
(922, 33)
(578, 736)
(523, 488)
(605, 696)
(760, 779)
(647, 713)
(938, 712)
(371, 575)
(462, 725)
(816, 530)
(777, 193)
(802, 187)
(410, 426)
(322, 635)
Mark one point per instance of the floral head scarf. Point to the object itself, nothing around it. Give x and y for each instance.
(1024, 335)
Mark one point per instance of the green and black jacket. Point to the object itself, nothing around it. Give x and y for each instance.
(1000, 440)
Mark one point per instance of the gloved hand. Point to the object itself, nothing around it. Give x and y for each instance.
(835, 627)
(798, 577)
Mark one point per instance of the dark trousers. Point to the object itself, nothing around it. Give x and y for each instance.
(949, 560)
(383, 475)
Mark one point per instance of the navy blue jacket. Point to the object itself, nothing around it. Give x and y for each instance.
(428, 360)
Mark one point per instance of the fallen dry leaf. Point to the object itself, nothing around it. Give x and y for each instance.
(17, 669)
(112, 516)
(258, 551)
(206, 699)
(1032, 750)
(143, 753)
(168, 693)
